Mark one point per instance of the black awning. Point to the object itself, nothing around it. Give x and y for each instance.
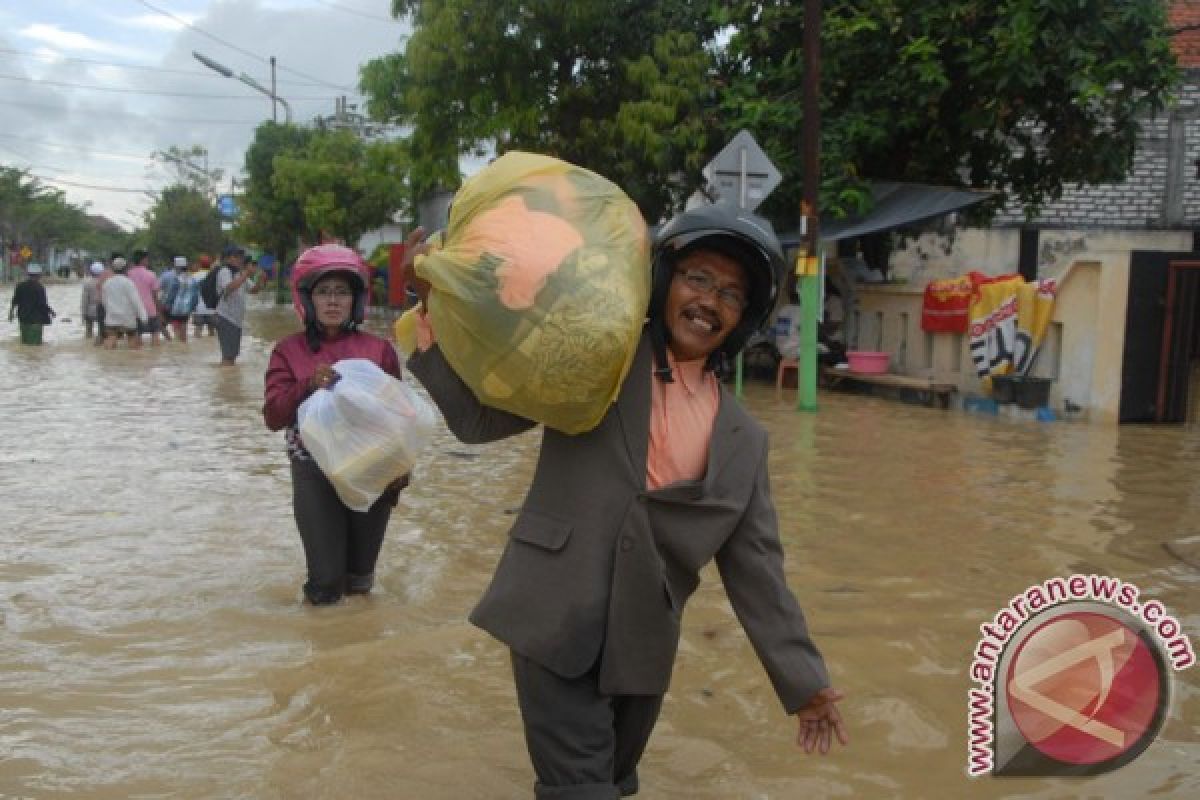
(895, 205)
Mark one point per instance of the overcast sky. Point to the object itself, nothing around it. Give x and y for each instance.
(90, 88)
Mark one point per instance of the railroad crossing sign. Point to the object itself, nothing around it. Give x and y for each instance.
(741, 173)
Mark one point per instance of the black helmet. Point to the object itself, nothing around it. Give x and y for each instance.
(743, 236)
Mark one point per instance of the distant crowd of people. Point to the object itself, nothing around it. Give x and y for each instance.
(124, 300)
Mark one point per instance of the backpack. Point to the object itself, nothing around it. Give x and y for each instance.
(208, 288)
(183, 298)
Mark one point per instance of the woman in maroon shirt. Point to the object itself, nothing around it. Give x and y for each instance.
(329, 291)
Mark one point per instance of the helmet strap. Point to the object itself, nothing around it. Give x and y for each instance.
(658, 345)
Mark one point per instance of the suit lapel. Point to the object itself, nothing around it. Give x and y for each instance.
(726, 443)
(726, 436)
(633, 408)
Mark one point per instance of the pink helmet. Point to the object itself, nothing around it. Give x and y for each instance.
(325, 259)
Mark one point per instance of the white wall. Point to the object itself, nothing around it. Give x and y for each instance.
(933, 255)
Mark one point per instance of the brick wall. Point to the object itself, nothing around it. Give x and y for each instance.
(1140, 202)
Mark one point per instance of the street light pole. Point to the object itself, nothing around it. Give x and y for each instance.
(253, 84)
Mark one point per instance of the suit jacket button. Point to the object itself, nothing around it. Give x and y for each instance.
(626, 543)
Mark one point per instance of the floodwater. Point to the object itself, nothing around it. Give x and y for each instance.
(153, 643)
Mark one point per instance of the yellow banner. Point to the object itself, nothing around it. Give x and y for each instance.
(1008, 322)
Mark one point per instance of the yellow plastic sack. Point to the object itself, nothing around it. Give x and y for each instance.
(540, 289)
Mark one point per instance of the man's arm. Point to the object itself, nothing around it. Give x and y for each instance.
(751, 568)
(468, 419)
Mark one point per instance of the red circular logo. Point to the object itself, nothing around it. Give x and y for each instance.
(1084, 688)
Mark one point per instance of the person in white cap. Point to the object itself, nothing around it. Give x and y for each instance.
(89, 299)
(30, 306)
(179, 297)
(123, 308)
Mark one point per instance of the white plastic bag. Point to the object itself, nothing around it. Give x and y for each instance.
(365, 431)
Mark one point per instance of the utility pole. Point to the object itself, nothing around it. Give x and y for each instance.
(808, 261)
(274, 97)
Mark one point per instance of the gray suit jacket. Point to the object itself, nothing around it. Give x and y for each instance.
(599, 568)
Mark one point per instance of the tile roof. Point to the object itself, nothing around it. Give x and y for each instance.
(1186, 44)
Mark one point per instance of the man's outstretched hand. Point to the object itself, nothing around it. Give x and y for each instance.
(820, 721)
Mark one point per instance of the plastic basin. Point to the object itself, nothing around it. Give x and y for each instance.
(868, 361)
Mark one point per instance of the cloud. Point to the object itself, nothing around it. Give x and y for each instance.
(157, 22)
(59, 39)
(61, 122)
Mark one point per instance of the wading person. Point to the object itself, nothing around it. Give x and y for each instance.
(106, 273)
(89, 299)
(124, 312)
(180, 298)
(341, 546)
(30, 306)
(202, 317)
(232, 279)
(147, 285)
(618, 522)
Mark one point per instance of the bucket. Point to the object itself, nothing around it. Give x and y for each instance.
(1031, 392)
(868, 362)
(1003, 390)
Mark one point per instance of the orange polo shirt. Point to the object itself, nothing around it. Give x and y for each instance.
(682, 414)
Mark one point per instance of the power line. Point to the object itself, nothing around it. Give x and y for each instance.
(89, 151)
(31, 166)
(241, 50)
(355, 11)
(190, 72)
(152, 92)
(95, 187)
(72, 148)
(123, 113)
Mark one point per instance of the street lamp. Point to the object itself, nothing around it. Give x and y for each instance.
(253, 84)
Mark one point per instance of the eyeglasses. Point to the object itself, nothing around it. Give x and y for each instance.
(733, 299)
(332, 294)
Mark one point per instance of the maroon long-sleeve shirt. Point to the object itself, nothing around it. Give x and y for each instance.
(293, 363)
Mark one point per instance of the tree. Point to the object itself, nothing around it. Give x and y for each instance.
(183, 221)
(273, 220)
(617, 86)
(190, 168)
(343, 185)
(40, 217)
(1026, 96)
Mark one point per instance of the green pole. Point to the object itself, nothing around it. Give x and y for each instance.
(806, 367)
(737, 375)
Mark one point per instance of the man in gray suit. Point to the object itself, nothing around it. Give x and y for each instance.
(619, 521)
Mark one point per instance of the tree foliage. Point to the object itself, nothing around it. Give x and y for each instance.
(343, 185)
(37, 216)
(183, 221)
(1027, 96)
(189, 166)
(619, 86)
(269, 218)
(304, 183)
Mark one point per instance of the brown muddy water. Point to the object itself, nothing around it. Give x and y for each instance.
(153, 643)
